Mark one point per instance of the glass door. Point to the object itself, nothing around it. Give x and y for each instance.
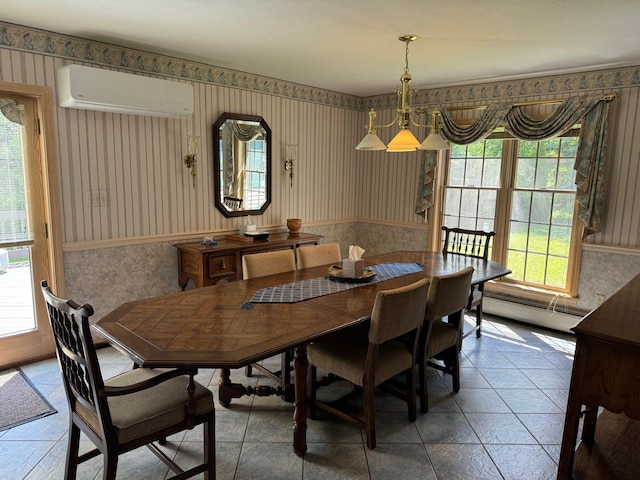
(24, 246)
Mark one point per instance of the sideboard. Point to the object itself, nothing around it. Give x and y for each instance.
(211, 264)
(605, 370)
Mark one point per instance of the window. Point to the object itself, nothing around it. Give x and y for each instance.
(525, 192)
(255, 174)
(250, 173)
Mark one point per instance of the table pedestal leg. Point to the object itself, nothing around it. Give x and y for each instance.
(300, 364)
(228, 391)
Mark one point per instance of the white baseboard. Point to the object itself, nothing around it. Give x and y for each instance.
(529, 314)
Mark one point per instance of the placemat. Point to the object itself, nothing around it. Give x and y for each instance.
(317, 287)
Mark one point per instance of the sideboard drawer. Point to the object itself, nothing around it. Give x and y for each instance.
(222, 265)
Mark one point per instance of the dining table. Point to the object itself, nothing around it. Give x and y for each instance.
(231, 325)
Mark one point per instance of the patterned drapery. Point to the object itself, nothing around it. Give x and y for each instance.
(590, 110)
(235, 135)
(12, 111)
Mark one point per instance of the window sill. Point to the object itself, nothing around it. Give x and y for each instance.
(535, 297)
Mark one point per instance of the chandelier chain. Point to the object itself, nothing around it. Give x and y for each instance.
(406, 56)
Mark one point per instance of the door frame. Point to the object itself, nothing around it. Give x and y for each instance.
(30, 346)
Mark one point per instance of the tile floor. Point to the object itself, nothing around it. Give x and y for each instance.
(506, 422)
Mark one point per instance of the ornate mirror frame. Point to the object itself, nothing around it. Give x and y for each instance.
(234, 207)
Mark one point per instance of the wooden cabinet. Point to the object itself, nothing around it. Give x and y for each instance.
(605, 374)
(209, 265)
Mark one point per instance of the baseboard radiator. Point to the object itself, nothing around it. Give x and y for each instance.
(542, 317)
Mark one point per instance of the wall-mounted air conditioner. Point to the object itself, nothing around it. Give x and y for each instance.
(109, 91)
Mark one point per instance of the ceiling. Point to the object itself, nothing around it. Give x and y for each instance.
(352, 46)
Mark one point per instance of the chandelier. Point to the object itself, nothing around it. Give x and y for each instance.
(404, 141)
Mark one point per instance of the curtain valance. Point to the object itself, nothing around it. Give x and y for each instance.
(12, 111)
(590, 110)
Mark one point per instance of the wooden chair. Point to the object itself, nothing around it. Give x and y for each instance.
(314, 255)
(448, 296)
(259, 265)
(129, 410)
(366, 364)
(232, 203)
(470, 243)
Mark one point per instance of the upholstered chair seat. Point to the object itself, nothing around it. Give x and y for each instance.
(151, 410)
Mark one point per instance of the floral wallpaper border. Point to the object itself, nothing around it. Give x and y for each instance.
(29, 39)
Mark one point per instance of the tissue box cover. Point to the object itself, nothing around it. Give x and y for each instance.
(352, 268)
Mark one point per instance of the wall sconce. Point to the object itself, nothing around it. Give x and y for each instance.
(290, 157)
(190, 158)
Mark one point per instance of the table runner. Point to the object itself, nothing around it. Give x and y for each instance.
(317, 287)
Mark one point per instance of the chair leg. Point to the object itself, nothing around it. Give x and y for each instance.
(369, 414)
(479, 320)
(73, 445)
(411, 393)
(422, 381)
(210, 448)
(248, 371)
(455, 368)
(110, 464)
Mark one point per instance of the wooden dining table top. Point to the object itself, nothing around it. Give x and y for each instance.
(209, 328)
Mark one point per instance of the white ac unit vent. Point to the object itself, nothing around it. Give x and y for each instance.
(109, 91)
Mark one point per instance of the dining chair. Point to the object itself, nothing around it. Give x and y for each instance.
(259, 265)
(268, 263)
(232, 203)
(439, 339)
(470, 243)
(130, 410)
(367, 362)
(314, 255)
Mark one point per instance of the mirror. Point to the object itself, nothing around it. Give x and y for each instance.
(242, 164)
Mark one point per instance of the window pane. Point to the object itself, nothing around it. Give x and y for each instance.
(569, 147)
(560, 241)
(520, 206)
(563, 205)
(541, 207)
(549, 148)
(538, 238)
(487, 204)
(527, 149)
(475, 150)
(557, 268)
(493, 148)
(451, 221)
(518, 236)
(516, 260)
(456, 172)
(457, 151)
(473, 175)
(468, 222)
(469, 203)
(546, 173)
(491, 174)
(535, 268)
(488, 226)
(566, 175)
(452, 202)
(526, 172)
